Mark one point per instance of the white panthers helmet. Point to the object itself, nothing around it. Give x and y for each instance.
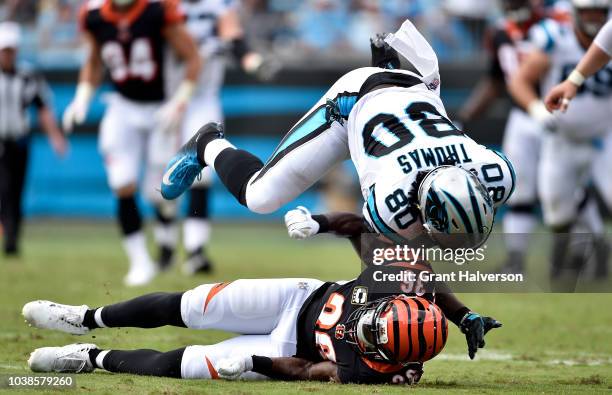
(591, 28)
(454, 206)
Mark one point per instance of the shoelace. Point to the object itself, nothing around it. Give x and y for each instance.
(186, 171)
(71, 361)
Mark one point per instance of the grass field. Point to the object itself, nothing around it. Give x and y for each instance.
(550, 343)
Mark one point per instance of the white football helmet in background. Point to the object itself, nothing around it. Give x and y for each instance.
(591, 25)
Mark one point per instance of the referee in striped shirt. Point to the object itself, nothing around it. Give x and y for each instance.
(20, 88)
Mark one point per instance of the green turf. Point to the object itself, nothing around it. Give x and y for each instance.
(549, 343)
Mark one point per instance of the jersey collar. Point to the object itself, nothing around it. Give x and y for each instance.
(108, 12)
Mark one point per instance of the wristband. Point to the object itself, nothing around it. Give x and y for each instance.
(458, 316)
(537, 110)
(262, 365)
(184, 92)
(323, 223)
(84, 92)
(576, 78)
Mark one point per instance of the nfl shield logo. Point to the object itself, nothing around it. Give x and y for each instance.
(360, 295)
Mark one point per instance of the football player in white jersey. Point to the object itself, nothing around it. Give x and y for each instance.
(521, 143)
(580, 145)
(215, 26)
(597, 56)
(419, 174)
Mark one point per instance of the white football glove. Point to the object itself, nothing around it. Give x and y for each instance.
(300, 224)
(537, 110)
(170, 114)
(76, 112)
(232, 368)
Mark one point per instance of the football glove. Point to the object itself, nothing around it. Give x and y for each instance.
(170, 114)
(232, 368)
(300, 224)
(76, 112)
(537, 110)
(475, 327)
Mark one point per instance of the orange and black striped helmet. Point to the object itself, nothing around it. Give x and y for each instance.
(398, 329)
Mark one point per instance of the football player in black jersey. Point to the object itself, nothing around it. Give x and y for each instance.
(368, 330)
(128, 38)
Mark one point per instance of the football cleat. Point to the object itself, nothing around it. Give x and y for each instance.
(60, 317)
(140, 275)
(198, 263)
(73, 358)
(183, 169)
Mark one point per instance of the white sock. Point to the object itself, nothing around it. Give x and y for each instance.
(98, 318)
(517, 230)
(166, 234)
(589, 219)
(136, 248)
(213, 149)
(196, 233)
(100, 359)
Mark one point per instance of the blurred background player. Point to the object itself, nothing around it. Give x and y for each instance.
(521, 143)
(597, 56)
(129, 38)
(215, 25)
(20, 88)
(578, 147)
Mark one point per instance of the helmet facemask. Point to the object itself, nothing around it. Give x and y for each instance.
(590, 15)
(366, 330)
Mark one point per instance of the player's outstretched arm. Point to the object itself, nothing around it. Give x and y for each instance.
(90, 77)
(523, 84)
(560, 96)
(301, 224)
(281, 368)
(472, 325)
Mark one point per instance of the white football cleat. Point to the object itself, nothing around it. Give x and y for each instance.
(60, 317)
(140, 275)
(73, 358)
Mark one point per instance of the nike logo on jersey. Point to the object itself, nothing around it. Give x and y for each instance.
(166, 178)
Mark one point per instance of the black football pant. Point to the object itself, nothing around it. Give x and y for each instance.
(13, 165)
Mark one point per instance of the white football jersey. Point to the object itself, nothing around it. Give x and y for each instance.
(202, 17)
(589, 114)
(395, 133)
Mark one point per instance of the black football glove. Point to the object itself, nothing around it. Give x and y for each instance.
(383, 55)
(475, 327)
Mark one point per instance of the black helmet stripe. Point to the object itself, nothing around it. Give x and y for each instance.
(444, 329)
(396, 332)
(422, 342)
(409, 310)
(464, 217)
(475, 207)
(435, 331)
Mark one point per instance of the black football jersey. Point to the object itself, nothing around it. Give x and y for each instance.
(322, 322)
(132, 44)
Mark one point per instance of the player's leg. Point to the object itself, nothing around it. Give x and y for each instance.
(161, 145)
(193, 362)
(561, 191)
(203, 108)
(312, 147)
(603, 183)
(241, 306)
(13, 162)
(522, 147)
(122, 146)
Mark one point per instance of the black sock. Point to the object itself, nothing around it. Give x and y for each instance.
(235, 167)
(211, 133)
(148, 311)
(89, 320)
(145, 362)
(93, 354)
(198, 203)
(129, 216)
